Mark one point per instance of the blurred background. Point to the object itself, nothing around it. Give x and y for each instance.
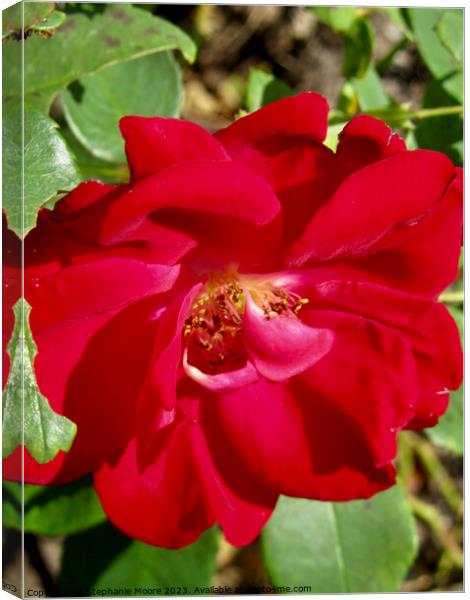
(293, 43)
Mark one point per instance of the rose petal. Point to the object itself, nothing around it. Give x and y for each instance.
(230, 380)
(365, 140)
(403, 258)
(372, 204)
(84, 196)
(282, 346)
(297, 444)
(80, 316)
(166, 358)
(282, 144)
(92, 370)
(426, 324)
(369, 375)
(154, 143)
(266, 129)
(218, 203)
(87, 290)
(177, 497)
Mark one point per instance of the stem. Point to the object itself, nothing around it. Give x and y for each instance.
(398, 116)
(118, 173)
(433, 518)
(426, 113)
(438, 473)
(454, 297)
(406, 462)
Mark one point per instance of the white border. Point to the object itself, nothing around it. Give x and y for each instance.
(416, 3)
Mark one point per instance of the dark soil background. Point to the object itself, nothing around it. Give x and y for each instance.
(288, 41)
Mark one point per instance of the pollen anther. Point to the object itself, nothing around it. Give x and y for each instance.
(215, 323)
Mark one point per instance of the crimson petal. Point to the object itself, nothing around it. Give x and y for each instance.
(292, 442)
(218, 203)
(369, 375)
(174, 499)
(154, 143)
(372, 204)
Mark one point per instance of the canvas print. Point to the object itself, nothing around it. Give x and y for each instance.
(232, 299)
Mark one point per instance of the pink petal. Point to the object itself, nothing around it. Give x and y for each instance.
(282, 346)
(230, 380)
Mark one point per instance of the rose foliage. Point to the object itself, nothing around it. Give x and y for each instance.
(252, 315)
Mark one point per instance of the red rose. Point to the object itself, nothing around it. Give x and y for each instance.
(252, 315)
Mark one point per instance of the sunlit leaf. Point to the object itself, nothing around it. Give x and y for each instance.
(44, 431)
(437, 57)
(339, 18)
(147, 86)
(264, 88)
(450, 31)
(360, 546)
(48, 166)
(84, 44)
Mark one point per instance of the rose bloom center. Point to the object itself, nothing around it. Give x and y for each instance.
(213, 331)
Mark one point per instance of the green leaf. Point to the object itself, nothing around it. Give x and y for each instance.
(370, 91)
(440, 133)
(339, 18)
(456, 149)
(453, 85)
(264, 88)
(359, 46)
(410, 140)
(347, 102)
(91, 167)
(437, 57)
(55, 20)
(103, 557)
(48, 167)
(84, 44)
(448, 433)
(52, 510)
(147, 86)
(450, 31)
(45, 432)
(395, 14)
(360, 546)
(332, 136)
(34, 12)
